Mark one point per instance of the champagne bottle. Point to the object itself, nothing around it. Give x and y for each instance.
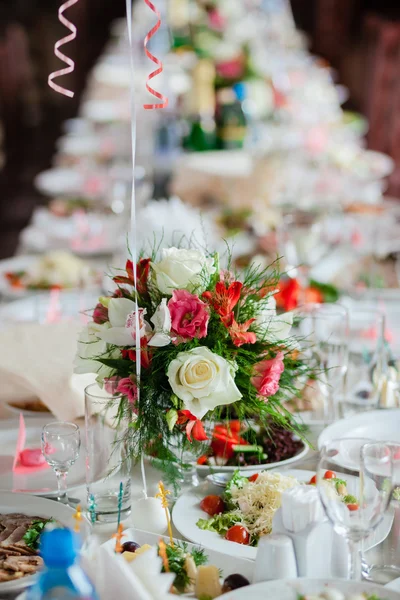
(202, 134)
(179, 23)
(231, 120)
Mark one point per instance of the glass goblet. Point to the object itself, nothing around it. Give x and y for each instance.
(61, 442)
(356, 505)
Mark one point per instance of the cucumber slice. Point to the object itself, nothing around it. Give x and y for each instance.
(247, 448)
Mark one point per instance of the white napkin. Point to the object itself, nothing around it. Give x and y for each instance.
(300, 507)
(139, 580)
(36, 362)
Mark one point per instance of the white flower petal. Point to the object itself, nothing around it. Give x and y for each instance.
(118, 310)
(118, 336)
(159, 340)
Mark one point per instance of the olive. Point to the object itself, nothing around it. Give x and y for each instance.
(233, 582)
(130, 546)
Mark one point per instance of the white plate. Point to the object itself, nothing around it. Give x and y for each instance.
(205, 470)
(187, 512)
(228, 565)
(40, 507)
(79, 145)
(222, 163)
(375, 425)
(16, 263)
(40, 483)
(58, 182)
(290, 589)
(106, 111)
(38, 308)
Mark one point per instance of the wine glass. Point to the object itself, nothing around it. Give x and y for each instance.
(61, 442)
(356, 505)
(323, 333)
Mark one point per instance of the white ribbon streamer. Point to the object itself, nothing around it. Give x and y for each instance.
(133, 237)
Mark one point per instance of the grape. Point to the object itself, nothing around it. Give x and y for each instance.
(130, 546)
(233, 582)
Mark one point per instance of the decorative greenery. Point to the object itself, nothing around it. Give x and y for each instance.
(235, 323)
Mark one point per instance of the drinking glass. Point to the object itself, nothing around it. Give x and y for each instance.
(108, 456)
(366, 371)
(301, 242)
(323, 333)
(381, 563)
(371, 492)
(61, 442)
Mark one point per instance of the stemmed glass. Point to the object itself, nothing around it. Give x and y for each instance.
(61, 442)
(323, 333)
(356, 505)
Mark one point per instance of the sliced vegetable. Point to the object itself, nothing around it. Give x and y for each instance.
(238, 534)
(330, 475)
(212, 505)
(253, 478)
(313, 480)
(353, 507)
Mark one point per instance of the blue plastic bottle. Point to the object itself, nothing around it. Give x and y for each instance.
(62, 577)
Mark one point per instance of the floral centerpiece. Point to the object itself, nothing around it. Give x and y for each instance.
(210, 345)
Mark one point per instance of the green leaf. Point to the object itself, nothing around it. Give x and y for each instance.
(32, 535)
(172, 417)
(329, 291)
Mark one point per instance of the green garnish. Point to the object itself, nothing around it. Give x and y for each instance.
(32, 535)
(220, 523)
(176, 555)
(247, 448)
(396, 493)
(349, 499)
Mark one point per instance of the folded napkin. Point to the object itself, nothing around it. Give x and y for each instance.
(114, 577)
(36, 362)
(301, 506)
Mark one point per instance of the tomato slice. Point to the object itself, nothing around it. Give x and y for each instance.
(353, 507)
(212, 505)
(238, 534)
(253, 478)
(330, 475)
(202, 460)
(313, 480)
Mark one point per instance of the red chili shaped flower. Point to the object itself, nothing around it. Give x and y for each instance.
(142, 274)
(224, 299)
(239, 331)
(145, 354)
(194, 427)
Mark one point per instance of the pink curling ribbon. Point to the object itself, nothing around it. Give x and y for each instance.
(164, 99)
(60, 55)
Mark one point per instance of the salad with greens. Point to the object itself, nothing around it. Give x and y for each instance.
(246, 509)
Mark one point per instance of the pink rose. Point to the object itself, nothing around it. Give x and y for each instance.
(127, 387)
(267, 374)
(189, 315)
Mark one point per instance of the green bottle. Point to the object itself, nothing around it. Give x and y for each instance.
(202, 135)
(231, 119)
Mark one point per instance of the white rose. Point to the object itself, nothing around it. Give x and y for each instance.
(162, 325)
(275, 327)
(89, 347)
(181, 269)
(203, 380)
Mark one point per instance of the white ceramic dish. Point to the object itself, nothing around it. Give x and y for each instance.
(40, 507)
(205, 470)
(40, 308)
(375, 425)
(59, 182)
(291, 589)
(187, 512)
